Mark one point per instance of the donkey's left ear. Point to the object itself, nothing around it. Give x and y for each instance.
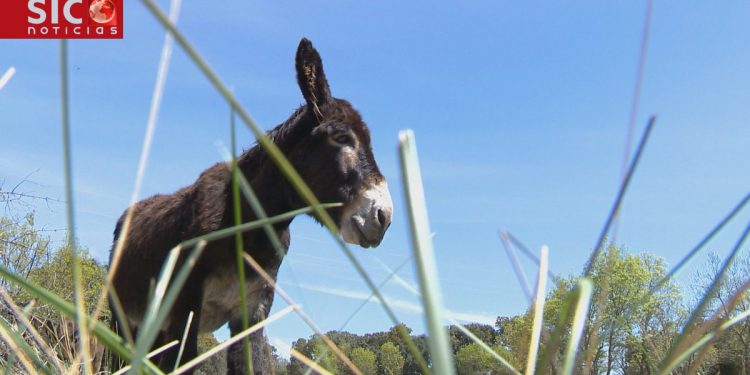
(310, 76)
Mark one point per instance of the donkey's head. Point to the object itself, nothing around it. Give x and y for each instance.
(335, 157)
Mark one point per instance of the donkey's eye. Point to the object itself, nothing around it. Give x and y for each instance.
(342, 138)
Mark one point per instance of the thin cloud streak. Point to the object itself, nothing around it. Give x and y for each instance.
(401, 304)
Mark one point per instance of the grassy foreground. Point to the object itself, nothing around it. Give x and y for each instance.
(576, 328)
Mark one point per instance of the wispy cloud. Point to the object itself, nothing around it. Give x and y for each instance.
(403, 305)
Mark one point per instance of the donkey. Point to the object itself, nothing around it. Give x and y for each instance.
(329, 145)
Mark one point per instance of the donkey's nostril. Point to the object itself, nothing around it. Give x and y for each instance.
(382, 217)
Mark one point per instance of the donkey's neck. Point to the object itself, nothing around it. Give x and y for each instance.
(269, 184)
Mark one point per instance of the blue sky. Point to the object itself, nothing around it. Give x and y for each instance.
(520, 112)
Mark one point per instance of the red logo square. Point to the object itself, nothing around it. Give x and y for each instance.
(61, 19)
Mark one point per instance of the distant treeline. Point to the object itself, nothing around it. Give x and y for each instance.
(629, 330)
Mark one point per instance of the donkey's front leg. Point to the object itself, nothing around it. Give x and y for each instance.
(235, 360)
(190, 300)
(259, 311)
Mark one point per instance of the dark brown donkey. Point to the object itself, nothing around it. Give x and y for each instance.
(329, 145)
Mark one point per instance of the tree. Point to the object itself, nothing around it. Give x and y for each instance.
(324, 356)
(390, 360)
(514, 335)
(411, 366)
(296, 367)
(730, 350)
(26, 251)
(278, 363)
(627, 331)
(22, 249)
(394, 335)
(471, 359)
(365, 361)
(57, 276)
(484, 332)
(634, 328)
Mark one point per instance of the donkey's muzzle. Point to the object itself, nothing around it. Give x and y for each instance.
(365, 221)
(371, 232)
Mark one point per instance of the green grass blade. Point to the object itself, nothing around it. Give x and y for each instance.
(101, 331)
(437, 338)
(517, 269)
(737, 208)
(226, 344)
(680, 342)
(163, 300)
(367, 300)
(584, 292)
(80, 316)
(28, 357)
(406, 285)
(536, 326)
(257, 207)
(716, 321)
(286, 168)
(153, 114)
(156, 311)
(486, 347)
(260, 213)
(183, 341)
(272, 282)
(122, 321)
(150, 355)
(273, 151)
(410, 345)
(239, 248)
(391, 275)
(7, 363)
(638, 83)
(528, 253)
(22, 317)
(553, 341)
(312, 365)
(252, 199)
(694, 251)
(698, 344)
(620, 196)
(257, 224)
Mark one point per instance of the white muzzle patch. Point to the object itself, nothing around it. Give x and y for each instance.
(365, 220)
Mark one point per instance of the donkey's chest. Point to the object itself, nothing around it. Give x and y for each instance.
(221, 299)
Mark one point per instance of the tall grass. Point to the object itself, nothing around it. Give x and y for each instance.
(30, 354)
(437, 339)
(80, 311)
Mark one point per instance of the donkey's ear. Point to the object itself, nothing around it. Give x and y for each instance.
(310, 76)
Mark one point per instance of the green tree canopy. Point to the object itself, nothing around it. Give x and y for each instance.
(365, 361)
(23, 248)
(471, 359)
(57, 276)
(390, 360)
(628, 330)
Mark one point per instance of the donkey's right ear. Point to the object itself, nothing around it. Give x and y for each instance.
(310, 75)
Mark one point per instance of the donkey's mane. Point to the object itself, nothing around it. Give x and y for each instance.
(283, 135)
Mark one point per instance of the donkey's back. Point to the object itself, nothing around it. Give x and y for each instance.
(160, 223)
